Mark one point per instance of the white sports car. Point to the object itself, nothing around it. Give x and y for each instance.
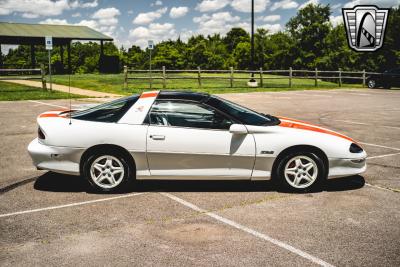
(185, 135)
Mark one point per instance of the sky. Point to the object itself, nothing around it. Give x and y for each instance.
(134, 22)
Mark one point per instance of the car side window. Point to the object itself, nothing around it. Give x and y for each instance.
(107, 112)
(187, 114)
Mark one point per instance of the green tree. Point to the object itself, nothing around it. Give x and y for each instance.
(234, 37)
(309, 29)
(241, 55)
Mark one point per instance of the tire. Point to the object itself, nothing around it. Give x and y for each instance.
(112, 170)
(371, 84)
(305, 177)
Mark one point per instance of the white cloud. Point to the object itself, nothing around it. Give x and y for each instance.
(220, 22)
(314, 2)
(335, 20)
(78, 4)
(156, 3)
(38, 8)
(155, 31)
(177, 12)
(245, 5)
(272, 28)
(104, 20)
(76, 15)
(54, 21)
(211, 5)
(271, 18)
(145, 18)
(382, 3)
(284, 4)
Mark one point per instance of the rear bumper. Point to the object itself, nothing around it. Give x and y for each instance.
(341, 167)
(58, 159)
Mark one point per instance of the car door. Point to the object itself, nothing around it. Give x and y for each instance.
(189, 140)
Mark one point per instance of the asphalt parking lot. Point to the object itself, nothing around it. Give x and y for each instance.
(53, 219)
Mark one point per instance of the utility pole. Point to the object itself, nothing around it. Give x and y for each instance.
(252, 38)
(252, 82)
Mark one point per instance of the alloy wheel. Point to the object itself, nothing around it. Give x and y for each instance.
(301, 172)
(107, 171)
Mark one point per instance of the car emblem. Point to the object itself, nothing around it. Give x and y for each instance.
(365, 27)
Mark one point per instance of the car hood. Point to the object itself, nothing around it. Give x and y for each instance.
(301, 125)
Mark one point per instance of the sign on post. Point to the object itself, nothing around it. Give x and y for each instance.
(49, 43)
(150, 44)
(49, 47)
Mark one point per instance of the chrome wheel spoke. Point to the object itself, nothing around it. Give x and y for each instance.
(98, 167)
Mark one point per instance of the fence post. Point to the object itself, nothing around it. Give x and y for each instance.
(164, 85)
(43, 74)
(363, 78)
(290, 77)
(340, 77)
(199, 75)
(231, 76)
(261, 77)
(125, 77)
(316, 77)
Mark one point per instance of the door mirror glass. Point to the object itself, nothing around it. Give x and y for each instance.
(238, 129)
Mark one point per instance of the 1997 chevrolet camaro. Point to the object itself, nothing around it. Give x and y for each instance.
(185, 135)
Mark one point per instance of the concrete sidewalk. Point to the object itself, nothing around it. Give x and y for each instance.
(64, 88)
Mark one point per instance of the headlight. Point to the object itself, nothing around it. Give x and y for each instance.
(354, 148)
(41, 134)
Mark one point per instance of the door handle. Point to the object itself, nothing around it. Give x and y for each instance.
(157, 137)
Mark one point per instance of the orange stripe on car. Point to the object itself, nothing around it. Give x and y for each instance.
(150, 94)
(308, 127)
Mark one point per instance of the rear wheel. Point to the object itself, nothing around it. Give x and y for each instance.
(107, 172)
(301, 171)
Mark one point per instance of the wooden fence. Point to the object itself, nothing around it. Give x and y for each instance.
(261, 75)
(24, 74)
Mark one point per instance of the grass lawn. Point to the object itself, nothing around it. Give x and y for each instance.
(113, 83)
(12, 92)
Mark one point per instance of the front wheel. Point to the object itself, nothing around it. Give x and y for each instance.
(107, 172)
(301, 171)
(371, 84)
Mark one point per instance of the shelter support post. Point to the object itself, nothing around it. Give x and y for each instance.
(33, 59)
(1, 58)
(62, 56)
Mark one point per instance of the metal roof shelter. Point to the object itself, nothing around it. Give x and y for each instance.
(34, 34)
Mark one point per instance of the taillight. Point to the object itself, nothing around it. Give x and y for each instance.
(41, 134)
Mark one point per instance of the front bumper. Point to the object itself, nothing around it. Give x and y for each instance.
(340, 167)
(58, 159)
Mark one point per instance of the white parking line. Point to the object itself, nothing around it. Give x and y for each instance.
(372, 125)
(249, 231)
(388, 147)
(382, 156)
(70, 205)
(46, 104)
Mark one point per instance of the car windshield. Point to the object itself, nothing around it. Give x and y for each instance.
(107, 112)
(244, 115)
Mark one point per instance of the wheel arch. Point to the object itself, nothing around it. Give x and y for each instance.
(109, 147)
(298, 148)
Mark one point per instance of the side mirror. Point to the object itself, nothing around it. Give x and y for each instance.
(238, 129)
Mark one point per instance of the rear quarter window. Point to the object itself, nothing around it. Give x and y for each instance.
(108, 112)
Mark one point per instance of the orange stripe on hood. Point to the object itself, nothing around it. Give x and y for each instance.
(289, 123)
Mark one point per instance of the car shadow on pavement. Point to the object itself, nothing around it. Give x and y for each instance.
(54, 182)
